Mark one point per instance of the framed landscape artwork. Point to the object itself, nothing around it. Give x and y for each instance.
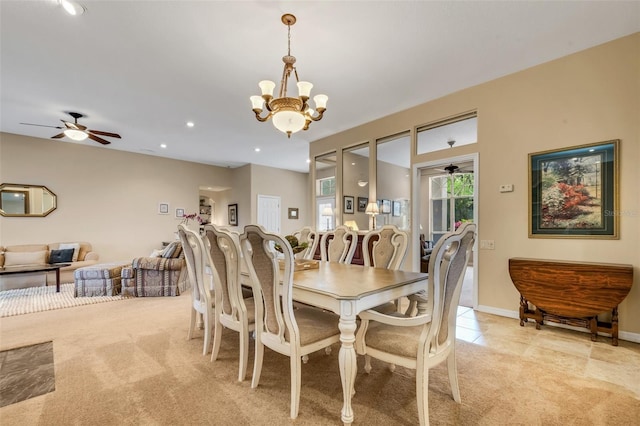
(573, 192)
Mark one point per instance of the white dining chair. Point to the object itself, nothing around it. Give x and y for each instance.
(307, 235)
(385, 247)
(202, 297)
(234, 311)
(290, 332)
(338, 245)
(428, 339)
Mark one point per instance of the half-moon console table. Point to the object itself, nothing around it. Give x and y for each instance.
(572, 293)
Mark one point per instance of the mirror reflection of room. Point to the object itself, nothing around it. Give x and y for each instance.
(393, 182)
(355, 186)
(325, 203)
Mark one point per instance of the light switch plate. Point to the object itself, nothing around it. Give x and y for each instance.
(506, 188)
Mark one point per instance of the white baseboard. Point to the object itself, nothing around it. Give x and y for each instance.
(498, 311)
(622, 335)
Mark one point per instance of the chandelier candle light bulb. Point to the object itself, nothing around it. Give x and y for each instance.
(289, 114)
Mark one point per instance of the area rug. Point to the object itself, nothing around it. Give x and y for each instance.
(37, 299)
(26, 372)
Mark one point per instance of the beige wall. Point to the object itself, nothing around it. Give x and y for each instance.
(110, 198)
(587, 97)
(293, 190)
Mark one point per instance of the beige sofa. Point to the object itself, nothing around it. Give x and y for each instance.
(38, 254)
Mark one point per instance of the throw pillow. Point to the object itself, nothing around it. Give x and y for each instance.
(74, 246)
(60, 256)
(15, 258)
(156, 253)
(167, 253)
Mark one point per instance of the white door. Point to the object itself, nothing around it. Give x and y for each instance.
(269, 212)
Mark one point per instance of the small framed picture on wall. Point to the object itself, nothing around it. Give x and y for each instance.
(362, 204)
(348, 204)
(386, 206)
(233, 214)
(163, 208)
(396, 208)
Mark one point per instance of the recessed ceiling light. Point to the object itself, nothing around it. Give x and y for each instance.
(308, 161)
(163, 145)
(73, 8)
(190, 124)
(257, 150)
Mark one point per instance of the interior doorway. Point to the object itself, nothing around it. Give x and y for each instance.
(269, 212)
(447, 195)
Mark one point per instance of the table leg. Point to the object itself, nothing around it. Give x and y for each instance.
(58, 280)
(347, 358)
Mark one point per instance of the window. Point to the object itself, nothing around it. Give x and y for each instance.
(325, 208)
(451, 201)
(327, 186)
(462, 129)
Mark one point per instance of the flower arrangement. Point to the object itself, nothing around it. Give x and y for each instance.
(187, 217)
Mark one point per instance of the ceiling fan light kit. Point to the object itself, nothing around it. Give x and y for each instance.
(289, 114)
(73, 8)
(76, 135)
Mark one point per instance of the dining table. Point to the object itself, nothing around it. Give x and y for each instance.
(347, 290)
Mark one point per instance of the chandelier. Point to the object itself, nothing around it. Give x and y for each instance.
(289, 114)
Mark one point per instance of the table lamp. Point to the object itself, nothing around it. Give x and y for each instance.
(372, 209)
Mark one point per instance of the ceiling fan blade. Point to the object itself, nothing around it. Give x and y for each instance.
(70, 125)
(98, 139)
(42, 125)
(98, 132)
(61, 135)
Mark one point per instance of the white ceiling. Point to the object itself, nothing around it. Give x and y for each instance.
(144, 68)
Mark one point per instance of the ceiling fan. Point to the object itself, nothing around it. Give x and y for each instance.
(77, 131)
(452, 168)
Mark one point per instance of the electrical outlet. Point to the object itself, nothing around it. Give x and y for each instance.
(506, 188)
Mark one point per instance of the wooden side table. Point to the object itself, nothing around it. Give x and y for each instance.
(572, 293)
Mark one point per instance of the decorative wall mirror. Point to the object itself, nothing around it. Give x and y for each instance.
(393, 162)
(325, 188)
(355, 186)
(17, 200)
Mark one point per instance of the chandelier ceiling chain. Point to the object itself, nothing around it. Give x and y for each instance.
(289, 114)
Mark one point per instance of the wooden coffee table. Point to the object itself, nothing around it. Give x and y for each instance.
(9, 270)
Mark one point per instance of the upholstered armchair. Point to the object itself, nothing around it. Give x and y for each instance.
(164, 275)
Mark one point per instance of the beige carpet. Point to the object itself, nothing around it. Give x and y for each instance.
(44, 298)
(129, 363)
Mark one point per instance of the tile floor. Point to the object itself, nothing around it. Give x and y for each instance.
(558, 347)
(26, 372)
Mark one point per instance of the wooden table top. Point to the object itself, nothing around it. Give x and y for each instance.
(343, 281)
